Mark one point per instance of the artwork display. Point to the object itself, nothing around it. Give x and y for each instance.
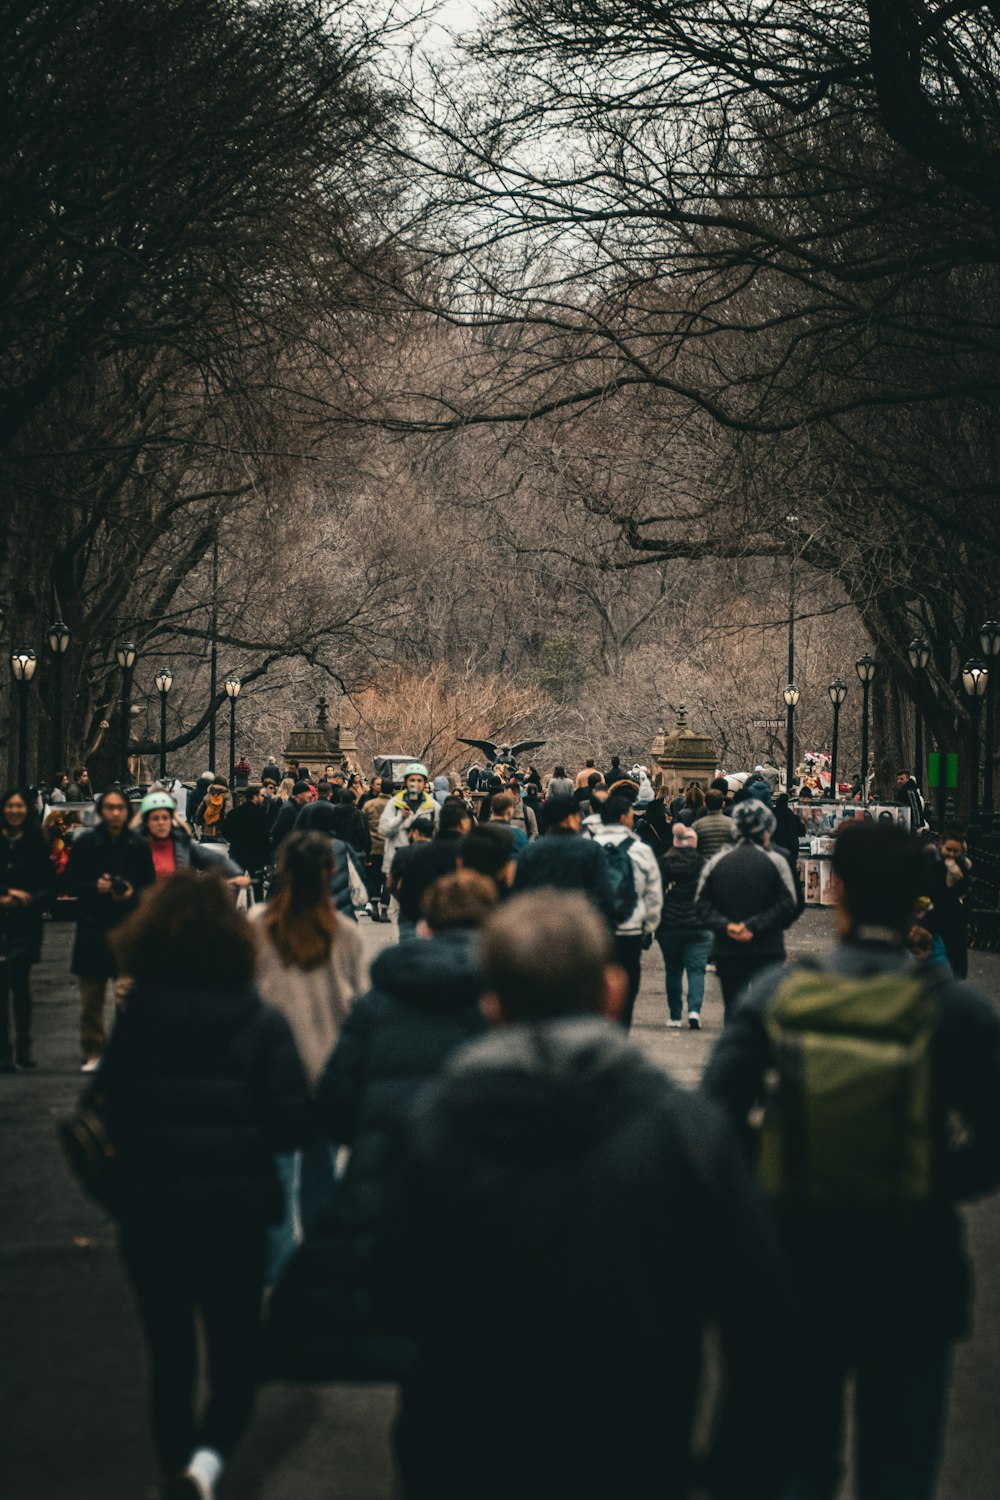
(822, 820)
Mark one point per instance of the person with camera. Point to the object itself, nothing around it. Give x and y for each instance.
(108, 867)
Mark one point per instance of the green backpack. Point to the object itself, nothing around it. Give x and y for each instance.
(847, 1121)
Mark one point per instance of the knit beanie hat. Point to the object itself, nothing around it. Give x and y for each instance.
(752, 820)
(685, 837)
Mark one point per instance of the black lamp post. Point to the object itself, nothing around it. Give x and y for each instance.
(866, 667)
(920, 655)
(164, 680)
(233, 686)
(58, 638)
(975, 680)
(989, 641)
(22, 663)
(791, 697)
(125, 655)
(838, 695)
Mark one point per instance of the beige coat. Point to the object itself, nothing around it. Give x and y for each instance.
(315, 1001)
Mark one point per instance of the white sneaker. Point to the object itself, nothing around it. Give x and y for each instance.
(694, 1021)
(91, 1065)
(675, 1025)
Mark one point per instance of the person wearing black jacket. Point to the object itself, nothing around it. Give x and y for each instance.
(883, 1288)
(341, 819)
(327, 1317)
(747, 897)
(247, 830)
(548, 1367)
(286, 817)
(25, 883)
(200, 1085)
(563, 859)
(684, 944)
(108, 868)
(415, 868)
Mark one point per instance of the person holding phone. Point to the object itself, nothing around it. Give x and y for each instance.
(108, 867)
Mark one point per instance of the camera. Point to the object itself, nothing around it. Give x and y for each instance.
(119, 885)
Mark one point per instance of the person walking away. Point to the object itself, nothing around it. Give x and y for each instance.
(637, 891)
(488, 849)
(746, 897)
(563, 859)
(109, 866)
(421, 835)
(560, 785)
(685, 946)
(247, 830)
(715, 829)
(757, 788)
(372, 807)
(310, 966)
(327, 1317)
(583, 776)
(417, 867)
(215, 807)
(694, 805)
(789, 827)
(947, 882)
(200, 1085)
(540, 1149)
(880, 1087)
(26, 879)
(908, 795)
(523, 816)
(300, 794)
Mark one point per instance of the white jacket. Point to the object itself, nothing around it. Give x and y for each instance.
(645, 916)
(394, 824)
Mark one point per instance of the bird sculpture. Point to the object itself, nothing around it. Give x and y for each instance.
(503, 755)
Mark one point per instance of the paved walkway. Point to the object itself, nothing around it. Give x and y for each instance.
(72, 1417)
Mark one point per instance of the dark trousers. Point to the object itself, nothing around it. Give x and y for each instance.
(15, 976)
(628, 953)
(735, 973)
(179, 1274)
(900, 1404)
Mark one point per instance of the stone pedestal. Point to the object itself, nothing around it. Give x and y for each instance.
(324, 744)
(681, 757)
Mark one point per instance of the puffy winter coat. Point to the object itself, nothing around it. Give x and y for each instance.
(747, 883)
(24, 866)
(202, 1086)
(645, 914)
(325, 1318)
(394, 823)
(92, 855)
(681, 870)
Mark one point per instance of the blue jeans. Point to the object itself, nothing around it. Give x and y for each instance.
(308, 1181)
(685, 948)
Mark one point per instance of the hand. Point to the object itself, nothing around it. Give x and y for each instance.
(19, 898)
(104, 885)
(739, 932)
(240, 882)
(6, 901)
(125, 895)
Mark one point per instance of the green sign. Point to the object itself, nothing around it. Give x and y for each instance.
(934, 770)
(951, 772)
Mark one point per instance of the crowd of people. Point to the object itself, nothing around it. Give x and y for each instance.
(458, 1172)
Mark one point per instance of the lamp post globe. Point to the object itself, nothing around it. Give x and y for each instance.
(791, 697)
(232, 686)
(919, 653)
(866, 666)
(838, 695)
(22, 665)
(975, 682)
(58, 636)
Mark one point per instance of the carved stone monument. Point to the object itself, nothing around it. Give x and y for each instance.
(323, 744)
(681, 757)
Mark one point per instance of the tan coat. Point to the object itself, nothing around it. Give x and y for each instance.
(314, 1001)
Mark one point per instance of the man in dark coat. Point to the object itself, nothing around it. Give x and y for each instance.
(108, 868)
(247, 830)
(883, 1288)
(338, 816)
(564, 859)
(550, 1368)
(287, 816)
(747, 897)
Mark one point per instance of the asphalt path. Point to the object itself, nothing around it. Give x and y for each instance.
(72, 1402)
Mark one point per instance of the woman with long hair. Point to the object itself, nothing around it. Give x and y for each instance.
(200, 1085)
(310, 966)
(25, 886)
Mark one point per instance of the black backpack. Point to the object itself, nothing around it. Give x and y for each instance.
(621, 873)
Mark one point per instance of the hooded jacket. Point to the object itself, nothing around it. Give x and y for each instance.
(201, 1087)
(557, 1192)
(747, 883)
(326, 1318)
(645, 914)
(393, 825)
(681, 870)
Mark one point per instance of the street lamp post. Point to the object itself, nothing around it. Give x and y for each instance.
(125, 655)
(22, 663)
(58, 638)
(838, 695)
(975, 681)
(920, 655)
(866, 667)
(989, 641)
(791, 697)
(233, 686)
(164, 680)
